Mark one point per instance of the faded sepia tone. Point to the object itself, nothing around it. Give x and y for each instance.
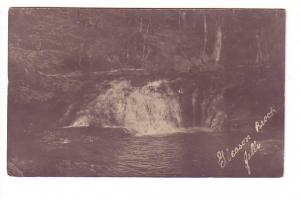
(146, 92)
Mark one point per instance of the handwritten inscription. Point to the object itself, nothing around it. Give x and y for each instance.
(224, 159)
(254, 147)
(260, 124)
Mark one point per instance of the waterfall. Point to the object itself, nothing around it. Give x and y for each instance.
(194, 105)
(149, 109)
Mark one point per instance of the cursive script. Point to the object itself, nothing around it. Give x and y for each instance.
(225, 158)
(254, 147)
(260, 124)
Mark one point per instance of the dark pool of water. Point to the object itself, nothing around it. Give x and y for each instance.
(111, 152)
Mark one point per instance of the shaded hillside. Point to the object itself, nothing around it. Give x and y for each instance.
(66, 40)
(58, 55)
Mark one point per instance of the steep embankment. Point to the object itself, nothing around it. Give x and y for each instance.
(215, 100)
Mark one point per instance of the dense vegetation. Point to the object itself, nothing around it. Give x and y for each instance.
(56, 54)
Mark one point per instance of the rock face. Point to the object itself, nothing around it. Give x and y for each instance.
(152, 107)
(212, 110)
(219, 121)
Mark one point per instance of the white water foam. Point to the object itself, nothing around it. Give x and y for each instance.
(151, 109)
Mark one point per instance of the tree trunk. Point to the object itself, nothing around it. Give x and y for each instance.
(216, 55)
(259, 54)
(203, 51)
(204, 36)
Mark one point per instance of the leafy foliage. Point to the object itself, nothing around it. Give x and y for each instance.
(55, 54)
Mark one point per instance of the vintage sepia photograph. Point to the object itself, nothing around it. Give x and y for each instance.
(111, 92)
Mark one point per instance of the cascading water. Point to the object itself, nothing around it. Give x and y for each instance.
(150, 109)
(194, 105)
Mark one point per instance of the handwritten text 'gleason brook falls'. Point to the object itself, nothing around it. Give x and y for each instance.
(225, 157)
